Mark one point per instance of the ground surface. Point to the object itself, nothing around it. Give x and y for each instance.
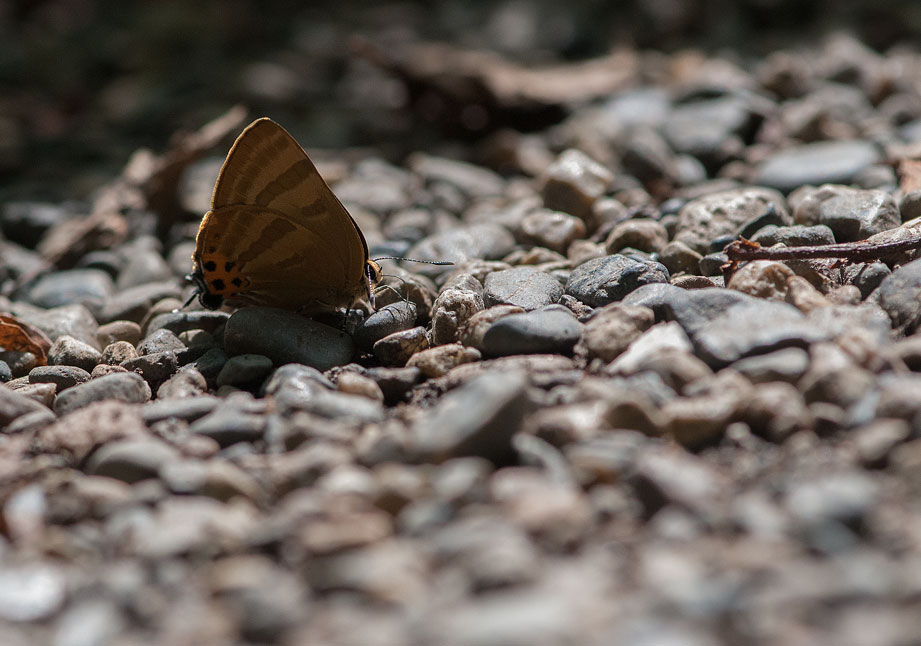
(589, 430)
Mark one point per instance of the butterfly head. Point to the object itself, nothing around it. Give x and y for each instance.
(208, 299)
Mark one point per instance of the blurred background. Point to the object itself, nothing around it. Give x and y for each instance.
(84, 83)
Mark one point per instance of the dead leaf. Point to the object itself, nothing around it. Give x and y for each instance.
(19, 336)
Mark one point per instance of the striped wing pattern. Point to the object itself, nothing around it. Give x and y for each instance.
(276, 234)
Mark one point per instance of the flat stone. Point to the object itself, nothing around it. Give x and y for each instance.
(484, 240)
(133, 303)
(552, 230)
(852, 214)
(527, 287)
(286, 337)
(398, 348)
(825, 162)
(131, 460)
(68, 351)
(611, 329)
(61, 376)
(573, 182)
(188, 409)
(124, 387)
(798, 235)
(244, 369)
(610, 278)
(228, 425)
(476, 419)
(182, 321)
(899, 295)
(14, 405)
(551, 330)
(72, 286)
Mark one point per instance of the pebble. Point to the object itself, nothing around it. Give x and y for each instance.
(550, 330)
(155, 368)
(160, 341)
(552, 230)
(68, 351)
(123, 387)
(610, 278)
(898, 294)
(90, 287)
(71, 320)
(131, 460)
(117, 352)
(799, 235)
(61, 376)
(385, 321)
(525, 287)
(133, 303)
(353, 383)
(477, 419)
(451, 311)
(852, 214)
(763, 279)
(711, 129)
(824, 162)
(120, 330)
(642, 234)
(244, 369)
(188, 408)
(397, 348)
(678, 257)
(786, 365)
(611, 329)
(5, 372)
(485, 240)
(285, 337)
(178, 322)
(31, 592)
(227, 425)
(573, 183)
(472, 332)
(14, 404)
(725, 213)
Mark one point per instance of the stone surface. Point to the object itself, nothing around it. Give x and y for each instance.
(526, 287)
(816, 163)
(550, 330)
(610, 278)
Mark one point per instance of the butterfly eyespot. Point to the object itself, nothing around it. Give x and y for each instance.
(236, 282)
(210, 266)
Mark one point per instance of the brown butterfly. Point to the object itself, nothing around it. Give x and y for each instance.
(276, 235)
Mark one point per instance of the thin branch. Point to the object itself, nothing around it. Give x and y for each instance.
(743, 249)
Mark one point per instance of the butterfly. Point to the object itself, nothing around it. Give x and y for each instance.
(276, 235)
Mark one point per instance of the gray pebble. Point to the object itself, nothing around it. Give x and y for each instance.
(824, 162)
(89, 287)
(680, 258)
(131, 460)
(794, 236)
(486, 241)
(183, 321)
(852, 214)
(155, 367)
(786, 365)
(286, 337)
(14, 405)
(68, 351)
(725, 213)
(161, 340)
(526, 287)
(385, 321)
(244, 369)
(72, 320)
(477, 419)
(229, 425)
(133, 303)
(866, 276)
(117, 352)
(211, 363)
(5, 372)
(551, 330)
(573, 183)
(124, 386)
(143, 267)
(552, 230)
(61, 376)
(188, 409)
(899, 295)
(610, 278)
(451, 310)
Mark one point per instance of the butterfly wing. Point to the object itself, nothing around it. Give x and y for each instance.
(276, 234)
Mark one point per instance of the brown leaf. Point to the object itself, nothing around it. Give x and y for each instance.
(909, 175)
(19, 336)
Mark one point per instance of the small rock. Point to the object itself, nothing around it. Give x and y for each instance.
(553, 230)
(786, 365)
(120, 330)
(573, 183)
(183, 321)
(608, 279)
(825, 162)
(876, 441)
(124, 387)
(798, 235)
(476, 419)
(118, 352)
(852, 214)
(472, 332)
(526, 287)
(385, 321)
(900, 296)
(725, 213)
(484, 240)
(188, 409)
(133, 303)
(451, 311)
(155, 368)
(762, 278)
(89, 287)
(678, 257)
(285, 337)
(160, 341)
(353, 383)
(14, 404)
(131, 460)
(551, 330)
(244, 369)
(643, 234)
(61, 376)
(68, 351)
(227, 425)
(397, 348)
(436, 362)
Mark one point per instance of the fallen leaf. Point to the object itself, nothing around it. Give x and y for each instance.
(19, 336)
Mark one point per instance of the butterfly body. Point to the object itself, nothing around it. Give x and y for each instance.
(276, 235)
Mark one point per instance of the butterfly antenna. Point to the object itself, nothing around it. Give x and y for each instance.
(427, 262)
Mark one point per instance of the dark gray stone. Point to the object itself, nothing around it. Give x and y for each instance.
(866, 276)
(825, 162)
(62, 376)
(794, 236)
(604, 280)
(14, 405)
(385, 321)
(133, 303)
(725, 213)
(710, 129)
(188, 408)
(229, 425)
(477, 419)
(244, 369)
(121, 386)
(131, 460)
(899, 295)
(486, 241)
(286, 337)
(526, 287)
(182, 321)
(553, 330)
(787, 365)
(155, 367)
(161, 340)
(852, 214)
(5, 373)
(72, 320)
(85, 286)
